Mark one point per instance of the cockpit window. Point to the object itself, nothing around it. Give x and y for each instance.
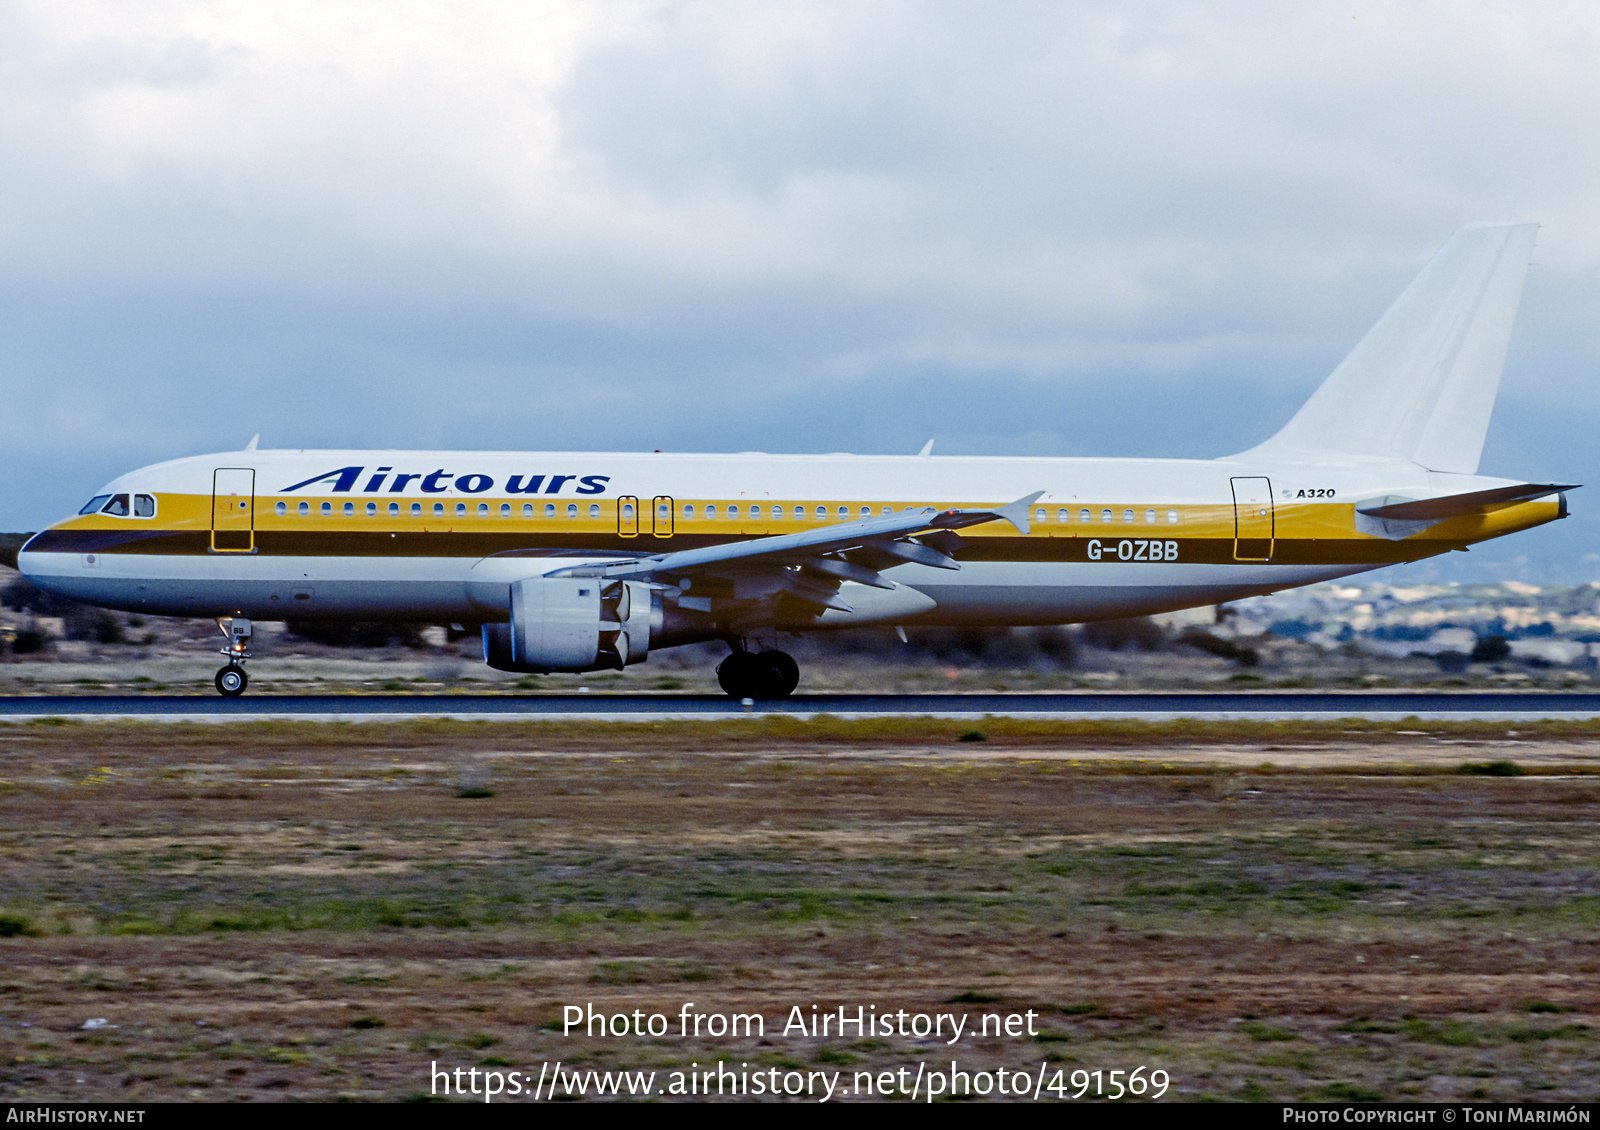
(144, 506)
(94, 504)
(117, 507)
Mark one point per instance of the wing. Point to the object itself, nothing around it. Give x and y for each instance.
(810, 566)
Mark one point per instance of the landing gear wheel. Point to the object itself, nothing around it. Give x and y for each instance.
(770, 675)
(231, 681)
(780, 674)
(739, 675)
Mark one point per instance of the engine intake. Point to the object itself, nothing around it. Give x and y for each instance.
(572, 624)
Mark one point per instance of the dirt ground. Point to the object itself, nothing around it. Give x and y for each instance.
(1263, 911)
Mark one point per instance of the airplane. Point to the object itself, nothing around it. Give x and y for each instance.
(581, 562)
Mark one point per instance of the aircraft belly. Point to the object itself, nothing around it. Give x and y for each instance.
(263, 588)
(437, 588)
(1028, 593)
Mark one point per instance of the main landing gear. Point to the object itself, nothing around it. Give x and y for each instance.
(759, 675)
(231, 680)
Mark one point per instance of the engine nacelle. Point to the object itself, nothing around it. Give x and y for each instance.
(572, 624)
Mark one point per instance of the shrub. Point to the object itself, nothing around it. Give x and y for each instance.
(27, 643)
(1491, 649)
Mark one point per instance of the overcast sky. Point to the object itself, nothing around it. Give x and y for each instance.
(1123, 228)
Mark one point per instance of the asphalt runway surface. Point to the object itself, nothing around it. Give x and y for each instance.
(659, 707)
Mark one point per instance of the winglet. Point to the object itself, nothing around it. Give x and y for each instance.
(1017, 512)
(1014, 512)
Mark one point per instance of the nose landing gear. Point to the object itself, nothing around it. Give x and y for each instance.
(758, 675)
(231, 679)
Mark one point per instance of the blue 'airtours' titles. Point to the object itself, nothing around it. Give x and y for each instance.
(343, 480)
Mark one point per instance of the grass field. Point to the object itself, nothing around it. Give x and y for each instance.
(1262, 910)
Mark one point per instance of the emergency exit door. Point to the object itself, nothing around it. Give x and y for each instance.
(661, 515)
(233, 510)
(627, 516)
(1253, 531)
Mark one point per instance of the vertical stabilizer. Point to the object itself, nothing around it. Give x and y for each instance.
(1422, 383)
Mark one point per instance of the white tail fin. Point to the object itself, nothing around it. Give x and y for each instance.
(1421, 384)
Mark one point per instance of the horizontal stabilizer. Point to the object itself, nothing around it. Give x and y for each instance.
(1457, 505)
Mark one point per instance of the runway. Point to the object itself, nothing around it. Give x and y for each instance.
(1388, 706)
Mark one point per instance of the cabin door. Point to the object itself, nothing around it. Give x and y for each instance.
(1253, 531)
(233, 510)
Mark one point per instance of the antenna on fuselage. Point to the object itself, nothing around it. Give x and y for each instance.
(255, 439)
(927, 450)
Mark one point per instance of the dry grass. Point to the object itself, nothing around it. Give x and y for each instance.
(308, 911)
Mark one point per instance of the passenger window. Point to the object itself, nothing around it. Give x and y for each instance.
(733, 513)
(1150, 517)
(438, 510)
(594, 510)
(505, 510)
(118, 506)
(688, 510)
(572, 510)
(822, 513)
(327, 509)
(663, 511)
(1063, 515)
(483, 509)
(372, 509)
(1172, 517)
(305, 508)
(282, 508)
(1042, 516)
(527, 510)
(755, 512)
(844, 512)
(777, 513)
(1127, 515)
(461, 510)
(711, 511)
(1105, 515)
(866, 511)
(349, 509)
(394, 510)
(1083, 515)
(627, 511)
(416, 509)
(144, 506)
(549, 510)
(94, 504)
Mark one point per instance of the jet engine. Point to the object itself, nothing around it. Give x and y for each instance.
(572, 624)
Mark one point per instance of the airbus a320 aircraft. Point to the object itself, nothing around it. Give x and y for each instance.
(574, 562)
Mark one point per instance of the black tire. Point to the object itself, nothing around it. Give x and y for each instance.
(739, 675)
(780, 674)
(231, 681)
